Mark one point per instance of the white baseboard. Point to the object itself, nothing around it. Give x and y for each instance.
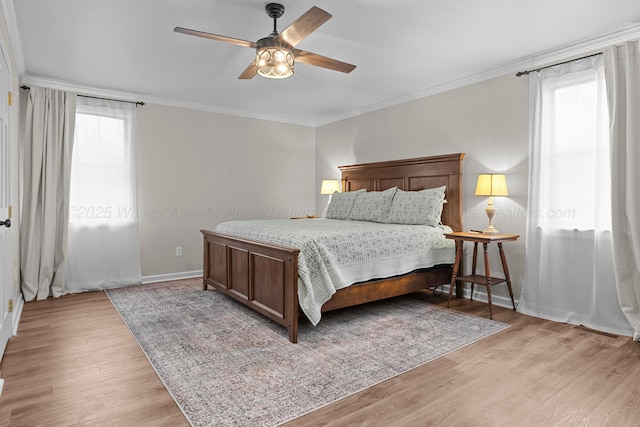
(482, 296)
(172, 276)
(17, 313)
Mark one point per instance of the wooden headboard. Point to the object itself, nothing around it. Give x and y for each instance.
(412, 175)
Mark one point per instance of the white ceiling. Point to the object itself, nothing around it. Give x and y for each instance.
(403, 49)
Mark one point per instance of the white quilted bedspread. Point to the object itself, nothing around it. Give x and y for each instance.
(335, 253)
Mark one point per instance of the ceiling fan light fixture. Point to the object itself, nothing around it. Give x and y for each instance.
(275, 53)
(274, 60)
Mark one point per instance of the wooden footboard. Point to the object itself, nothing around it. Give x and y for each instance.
(259, 275)
(265, 277)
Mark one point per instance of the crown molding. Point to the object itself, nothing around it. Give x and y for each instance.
(83, 90)
(586, 47)
(133, 97)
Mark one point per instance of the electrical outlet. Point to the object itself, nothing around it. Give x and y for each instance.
(178, 250)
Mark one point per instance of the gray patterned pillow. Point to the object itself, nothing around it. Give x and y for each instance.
(422, 207)
(341, 204)
(373, 206)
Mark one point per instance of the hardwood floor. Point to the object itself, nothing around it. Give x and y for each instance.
(74, 362)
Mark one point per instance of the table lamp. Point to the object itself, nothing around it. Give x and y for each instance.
(330, 186)
(491, 184)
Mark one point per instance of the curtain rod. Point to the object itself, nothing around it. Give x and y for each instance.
(25, 87)
(526, 72)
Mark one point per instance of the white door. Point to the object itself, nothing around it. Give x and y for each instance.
(6, 285)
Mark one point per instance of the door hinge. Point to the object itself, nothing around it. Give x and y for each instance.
(10, 211)
(9, 99)
(11, 306)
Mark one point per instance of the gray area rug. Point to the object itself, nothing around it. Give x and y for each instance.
(228, 366)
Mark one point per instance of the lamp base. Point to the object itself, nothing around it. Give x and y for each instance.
(490, 230)
(490, 213)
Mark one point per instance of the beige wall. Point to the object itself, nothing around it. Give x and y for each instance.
(197, 169)
(488, 121)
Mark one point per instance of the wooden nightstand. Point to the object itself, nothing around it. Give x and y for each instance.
(486, 280)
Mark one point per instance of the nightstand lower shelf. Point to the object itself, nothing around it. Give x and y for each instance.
(479, 279)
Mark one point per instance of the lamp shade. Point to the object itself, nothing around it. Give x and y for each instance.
(491, 184)
(330, 186)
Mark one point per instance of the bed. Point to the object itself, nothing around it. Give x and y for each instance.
(265, 275)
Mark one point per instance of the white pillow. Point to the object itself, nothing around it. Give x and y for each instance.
(373, 205)
(341, 204)
(422, 207)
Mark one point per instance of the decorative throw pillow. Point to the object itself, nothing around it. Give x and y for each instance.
(373, 205)
(422, 207)
(341, 204)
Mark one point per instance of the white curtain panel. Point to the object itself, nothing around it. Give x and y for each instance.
(569, 274)
(47, 142)
(104, 248)
(622, 68)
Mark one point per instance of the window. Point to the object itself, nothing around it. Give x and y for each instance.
(575, 183)
(102, 182)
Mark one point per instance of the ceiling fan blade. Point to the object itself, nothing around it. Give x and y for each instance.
(322, 61)
(249, 72)
(231, 40)
(303, 26)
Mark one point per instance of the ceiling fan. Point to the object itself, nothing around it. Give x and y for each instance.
(276, 53)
